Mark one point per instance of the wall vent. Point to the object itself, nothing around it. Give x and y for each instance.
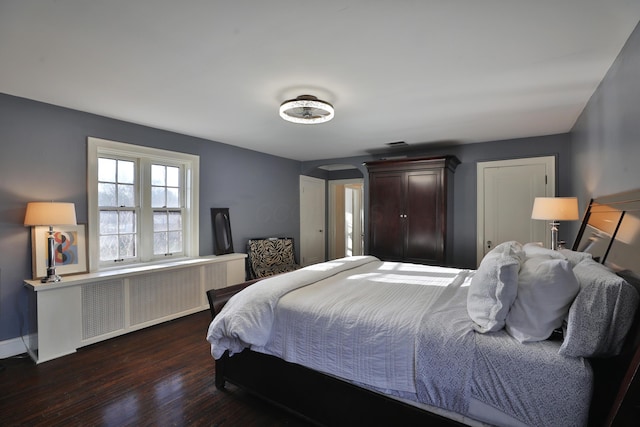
(396, 144)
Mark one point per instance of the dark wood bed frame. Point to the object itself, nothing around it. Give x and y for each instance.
(326, 400)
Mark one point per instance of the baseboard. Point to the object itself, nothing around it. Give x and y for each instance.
(12, 347)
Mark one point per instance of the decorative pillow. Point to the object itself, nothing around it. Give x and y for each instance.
(601, 314)
(546, 288)
(511, 248)
(574, 257)
(536, 249)
(494, 287)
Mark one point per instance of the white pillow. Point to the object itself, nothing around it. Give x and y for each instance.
(535, 249)
(546, 288)
(511, 248)
(574, 257)
(494, 287)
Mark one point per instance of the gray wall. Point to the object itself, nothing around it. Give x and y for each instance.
(43, 157)
(606, 137)
(464, 239)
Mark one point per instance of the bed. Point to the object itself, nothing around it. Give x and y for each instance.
(362, 341)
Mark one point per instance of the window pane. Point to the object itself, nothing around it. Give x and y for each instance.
(175, 221)
(108, 248)
(173, 176)
(108, 222)
(125, 195)
(127, 245)
(106, 194)
(173, 200)
(159, 243)
(158, 175)
(106, 170)
(175, 241)
(125, 172)
(159, 221)
(127, 222)
(157, 197)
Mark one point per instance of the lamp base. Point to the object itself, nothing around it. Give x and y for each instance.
(51, 277)
(554, 235)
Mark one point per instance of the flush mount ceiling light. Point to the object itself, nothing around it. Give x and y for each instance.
(306, 109)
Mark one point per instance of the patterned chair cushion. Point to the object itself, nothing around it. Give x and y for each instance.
(270, 256)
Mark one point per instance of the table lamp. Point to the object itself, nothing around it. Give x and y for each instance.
(555, 209)
(50, 214)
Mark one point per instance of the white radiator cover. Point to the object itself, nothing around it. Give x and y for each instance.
(88, 308)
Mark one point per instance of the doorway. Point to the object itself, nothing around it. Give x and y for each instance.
(346, 218)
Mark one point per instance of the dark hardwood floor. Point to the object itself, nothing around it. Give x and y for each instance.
(159, 376)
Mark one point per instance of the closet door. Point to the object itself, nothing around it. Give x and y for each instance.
(386, 225)
(424, 221)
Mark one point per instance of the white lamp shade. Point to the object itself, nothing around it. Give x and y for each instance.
(50, 213)
(555, 208)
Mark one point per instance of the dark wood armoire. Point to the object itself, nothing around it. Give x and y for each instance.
(410, 215)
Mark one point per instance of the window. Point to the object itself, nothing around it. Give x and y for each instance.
(142, 204)
(166, 190)
(117, 207)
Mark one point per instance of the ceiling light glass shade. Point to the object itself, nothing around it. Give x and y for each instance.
(306, 109)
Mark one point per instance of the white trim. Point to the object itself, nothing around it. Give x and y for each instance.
(191, 169)
(12, 347)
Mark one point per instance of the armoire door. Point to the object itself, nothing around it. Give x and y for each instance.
(424, 217)
(386, 232)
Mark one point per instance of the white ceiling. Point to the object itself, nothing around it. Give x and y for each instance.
(419, 71)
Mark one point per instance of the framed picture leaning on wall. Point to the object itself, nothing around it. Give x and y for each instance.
(70, 249)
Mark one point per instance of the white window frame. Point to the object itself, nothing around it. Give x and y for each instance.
(190, 165)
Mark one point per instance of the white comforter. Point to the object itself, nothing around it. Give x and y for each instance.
(247, 318)
(402, 329)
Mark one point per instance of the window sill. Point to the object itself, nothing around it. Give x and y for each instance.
(79, 279)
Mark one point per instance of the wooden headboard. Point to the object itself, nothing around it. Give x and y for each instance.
(610, 231)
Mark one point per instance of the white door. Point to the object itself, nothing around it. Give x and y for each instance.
(312, 220)
(506, 191)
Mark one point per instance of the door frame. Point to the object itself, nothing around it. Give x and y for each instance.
(549, 161)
